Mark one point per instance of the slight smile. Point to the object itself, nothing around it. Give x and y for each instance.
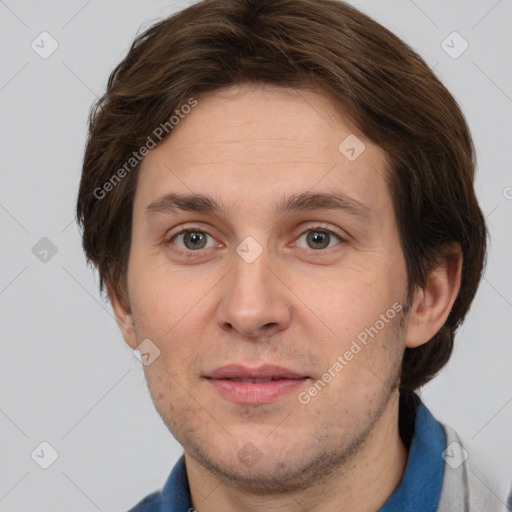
(254, 386)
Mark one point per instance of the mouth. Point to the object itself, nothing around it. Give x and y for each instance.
(255, 381)
(262, 385)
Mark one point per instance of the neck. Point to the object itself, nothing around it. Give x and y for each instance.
(362, 484)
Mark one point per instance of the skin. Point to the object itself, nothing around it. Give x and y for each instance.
(294, 306)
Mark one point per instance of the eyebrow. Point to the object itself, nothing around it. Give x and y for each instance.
(306, 201)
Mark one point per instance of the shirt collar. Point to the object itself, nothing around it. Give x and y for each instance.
(176, 492)
(420, 487)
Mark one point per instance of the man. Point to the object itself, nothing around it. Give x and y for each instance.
(279, 198)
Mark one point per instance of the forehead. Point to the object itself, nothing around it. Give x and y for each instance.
(257, 142)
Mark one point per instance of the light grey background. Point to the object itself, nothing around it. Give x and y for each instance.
(66, 375)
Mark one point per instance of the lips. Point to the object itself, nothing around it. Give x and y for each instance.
(254, 381)
(267, 372)
(261, 385)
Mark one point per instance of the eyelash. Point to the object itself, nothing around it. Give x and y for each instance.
(194, 229)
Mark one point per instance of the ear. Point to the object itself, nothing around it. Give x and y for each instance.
(123, 314)
(432, 304)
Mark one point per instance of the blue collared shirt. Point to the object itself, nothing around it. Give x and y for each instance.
(418, 491)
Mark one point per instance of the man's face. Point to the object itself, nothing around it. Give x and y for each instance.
(252, 285)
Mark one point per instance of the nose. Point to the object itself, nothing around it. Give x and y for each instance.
(255, 302)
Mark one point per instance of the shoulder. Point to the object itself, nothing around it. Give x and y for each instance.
(151, 503)
(465, 489)
(175, 495)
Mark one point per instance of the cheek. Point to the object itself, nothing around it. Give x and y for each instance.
(345, 303)
(161, 298)
(361, 319)
(168, 396)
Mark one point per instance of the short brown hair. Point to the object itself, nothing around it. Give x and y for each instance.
(384, 87)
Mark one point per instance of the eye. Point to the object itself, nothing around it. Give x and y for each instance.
(192, 239)
(319, 238)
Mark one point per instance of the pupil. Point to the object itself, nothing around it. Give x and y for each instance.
(319, 237)
(197, 239)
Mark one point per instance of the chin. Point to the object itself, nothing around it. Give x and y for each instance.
(269, 470)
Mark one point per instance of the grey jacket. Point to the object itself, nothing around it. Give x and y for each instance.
(463, 489)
